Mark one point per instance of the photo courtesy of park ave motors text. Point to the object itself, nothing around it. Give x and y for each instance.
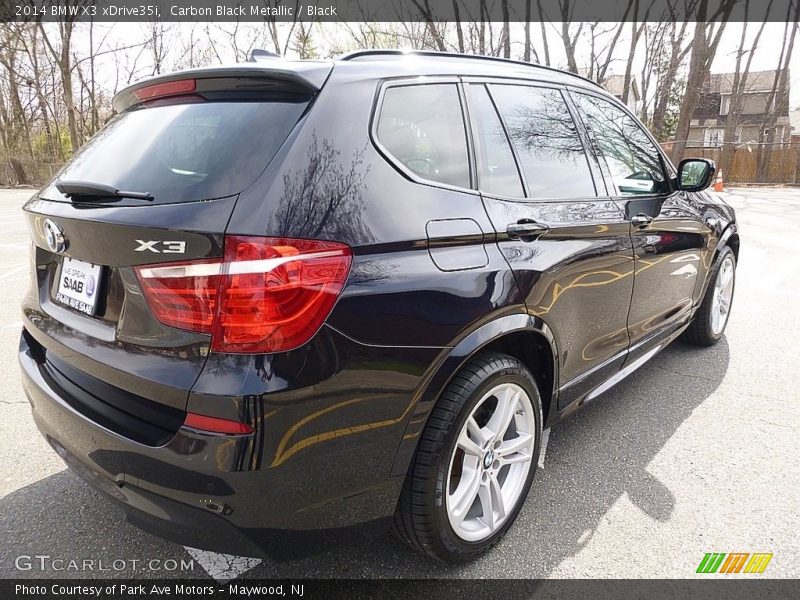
(498, 293)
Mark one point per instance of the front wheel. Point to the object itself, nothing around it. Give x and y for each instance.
(475, 462)
(711, 318)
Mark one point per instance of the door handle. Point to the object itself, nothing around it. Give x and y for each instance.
(525, 228)
(641, 220)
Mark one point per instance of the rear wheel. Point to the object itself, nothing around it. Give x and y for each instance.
(475, 462)
(709, 322)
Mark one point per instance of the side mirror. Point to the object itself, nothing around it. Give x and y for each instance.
(696, 174)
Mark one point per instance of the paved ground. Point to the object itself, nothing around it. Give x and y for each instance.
(696, 452)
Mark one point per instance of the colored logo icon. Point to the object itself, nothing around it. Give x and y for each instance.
(734, 562)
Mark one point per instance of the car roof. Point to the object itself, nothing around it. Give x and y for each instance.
(390, 63)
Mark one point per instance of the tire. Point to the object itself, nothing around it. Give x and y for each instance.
(424, 519)
(704, 330)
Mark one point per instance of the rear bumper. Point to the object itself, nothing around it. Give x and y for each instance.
(191, 491)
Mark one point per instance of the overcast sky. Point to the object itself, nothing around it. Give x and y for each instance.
(328, 36)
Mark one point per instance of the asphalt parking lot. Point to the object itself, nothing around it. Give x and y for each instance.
(696, 452)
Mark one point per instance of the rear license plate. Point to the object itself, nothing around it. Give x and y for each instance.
(78, 285)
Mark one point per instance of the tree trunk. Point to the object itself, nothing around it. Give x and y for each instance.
(569, 47)
(92, 89)
(427, 16)
(779, 96)
(636, 31)
(737, 92)
(527, 55)
(63, 61)
(506, 30)
(704, 47)
(65, 66)
(459, 30)
(664, 89)
(545, 45)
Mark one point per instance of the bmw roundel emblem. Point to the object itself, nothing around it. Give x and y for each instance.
(91, 285)
(54, 236)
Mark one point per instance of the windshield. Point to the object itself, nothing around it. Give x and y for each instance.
(184, 152)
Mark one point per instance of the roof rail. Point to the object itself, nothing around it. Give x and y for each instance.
(393, 52)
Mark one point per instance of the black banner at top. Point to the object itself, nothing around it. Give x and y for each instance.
(397, 10)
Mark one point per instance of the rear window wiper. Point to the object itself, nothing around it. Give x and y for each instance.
(85, 190)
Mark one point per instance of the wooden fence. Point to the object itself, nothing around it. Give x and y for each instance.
(784, 166)
(784, 163)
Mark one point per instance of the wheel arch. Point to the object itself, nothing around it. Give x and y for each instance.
(520, 335)
(733, 242)
(728, 239)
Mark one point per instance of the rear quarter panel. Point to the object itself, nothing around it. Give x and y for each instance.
(406, 304)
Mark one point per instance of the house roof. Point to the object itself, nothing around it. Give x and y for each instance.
(722, 83)
(615, 84)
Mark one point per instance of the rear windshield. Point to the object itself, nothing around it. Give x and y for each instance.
(187, 151)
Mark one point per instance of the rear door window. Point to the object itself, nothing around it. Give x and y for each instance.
(185, 151)
(546, 141)
(422, 127)
(497, 169)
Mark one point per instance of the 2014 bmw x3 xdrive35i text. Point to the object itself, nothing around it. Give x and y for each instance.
(283, 304)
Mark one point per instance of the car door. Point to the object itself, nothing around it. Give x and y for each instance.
(565, 239)
(667, 231)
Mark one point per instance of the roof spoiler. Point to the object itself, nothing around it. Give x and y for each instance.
(257, 54)
(306, 77)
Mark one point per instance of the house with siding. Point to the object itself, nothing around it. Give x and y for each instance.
(707, 126)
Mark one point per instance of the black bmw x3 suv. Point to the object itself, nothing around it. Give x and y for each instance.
(283, 304)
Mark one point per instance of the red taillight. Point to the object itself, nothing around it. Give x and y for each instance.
(269, 294)
(216, 425)
(170, 88)
(182, 295)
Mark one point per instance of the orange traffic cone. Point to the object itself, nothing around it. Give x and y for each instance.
(719, 184)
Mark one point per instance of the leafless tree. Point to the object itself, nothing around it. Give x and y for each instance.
(505, 34)
(707, 34)
(303, 44)
(569, 34)
(602, 54)
(778, 101)
(739, 86)
(424, 8)
(667, 57)
(61, 52)
(459, 28)
(637, 27)
(545, 46)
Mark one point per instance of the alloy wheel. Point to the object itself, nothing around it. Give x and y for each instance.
(491, 461)
(723, 295)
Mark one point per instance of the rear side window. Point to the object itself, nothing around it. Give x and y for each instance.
(631, 156)
(546, 141)
(497, 169)
(181, 152)
(422, 127)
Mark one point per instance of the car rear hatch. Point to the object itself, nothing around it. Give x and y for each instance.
(155, 187)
